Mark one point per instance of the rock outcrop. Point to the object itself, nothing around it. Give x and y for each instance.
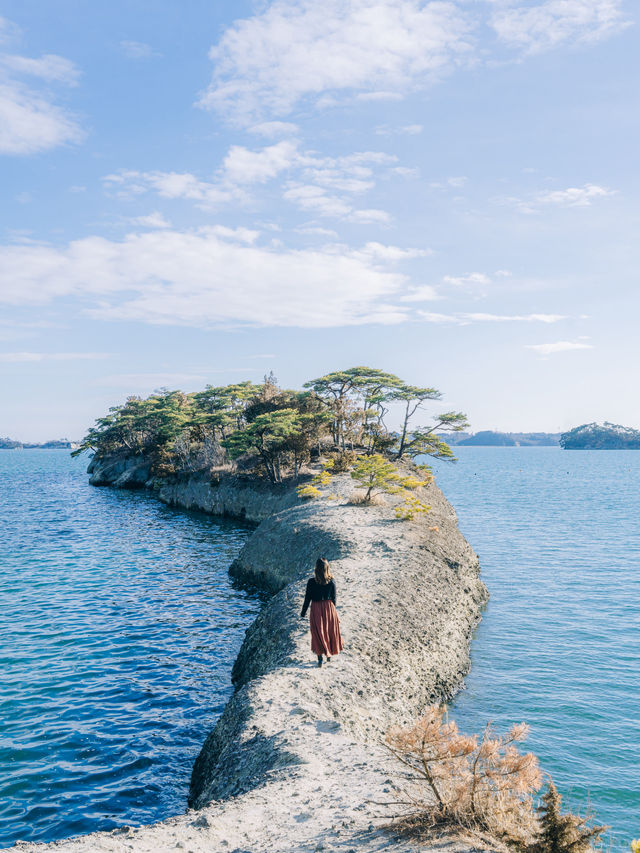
(295, 762)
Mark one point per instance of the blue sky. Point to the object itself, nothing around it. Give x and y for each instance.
(203, 192)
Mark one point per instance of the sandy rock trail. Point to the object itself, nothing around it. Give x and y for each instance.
(295, 762)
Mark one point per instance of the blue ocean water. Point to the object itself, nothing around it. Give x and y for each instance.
(558, 535)
(118, 628)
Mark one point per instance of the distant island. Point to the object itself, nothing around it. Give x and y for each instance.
(57, 444)
(491, 438)
(601, 437)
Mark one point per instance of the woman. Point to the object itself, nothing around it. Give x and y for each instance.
(323, 618)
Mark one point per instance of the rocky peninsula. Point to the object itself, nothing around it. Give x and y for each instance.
(296, 762)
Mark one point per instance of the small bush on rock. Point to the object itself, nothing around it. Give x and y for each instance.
(377, 476)
(563, 833)
(322, 478)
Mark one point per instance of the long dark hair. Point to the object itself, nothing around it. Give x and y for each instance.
(323, 572)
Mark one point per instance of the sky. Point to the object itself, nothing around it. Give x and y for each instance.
(202, 192)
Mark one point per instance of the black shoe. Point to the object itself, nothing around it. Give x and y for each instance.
(328, 659)
(319, 660)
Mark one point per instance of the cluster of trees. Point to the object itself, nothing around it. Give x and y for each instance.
(277, 430)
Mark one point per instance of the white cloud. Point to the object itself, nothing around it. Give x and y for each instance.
(457, 182)
(511, 318)
(426, 293)
(201, 278)
(393, 253)
(472, 279)
(466, 318)
(151, 220)
(574, 196)
(317, 231)
(539, 27)
(30, 120)
(403, 130)
(50, 67)
(431, 317)
(559, 346)
(406, 172)
(293, 51)
(316, 200)
(583, 196)
(371, 216)
(273, 129)
(242, 166)
(129, 183)
(138, 50)
(13, 357)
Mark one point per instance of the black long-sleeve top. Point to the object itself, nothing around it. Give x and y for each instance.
(318, 592)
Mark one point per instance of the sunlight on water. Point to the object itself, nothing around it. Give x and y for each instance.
(558, 537)
(119, 626)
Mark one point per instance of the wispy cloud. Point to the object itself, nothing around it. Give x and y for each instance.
(558, 346)
(151, 220)
(464, 318)
(12, 357)
(267, 63)
(30, 120)
(455, 182)
(273, 129)
(138, 50)
(322, 185)
(583, 196)
(209, 277)
(380, 50)
(542, 26)
(574, 196)
(471, 279)
(402, 130)
(128, 183)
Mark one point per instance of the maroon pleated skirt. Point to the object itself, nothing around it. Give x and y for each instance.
(325, 628)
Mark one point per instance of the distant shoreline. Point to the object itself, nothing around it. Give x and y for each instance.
(60, 444)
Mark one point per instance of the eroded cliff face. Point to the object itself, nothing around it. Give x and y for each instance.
(239, 497)
(295, 761)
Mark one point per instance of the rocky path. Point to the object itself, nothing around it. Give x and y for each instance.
(296, 762)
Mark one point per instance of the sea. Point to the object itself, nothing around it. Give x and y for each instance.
(119, 625)
(558, 536)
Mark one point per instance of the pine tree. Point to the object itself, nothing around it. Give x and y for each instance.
(563, 833)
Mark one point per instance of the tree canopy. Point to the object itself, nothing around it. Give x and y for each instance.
(275, 430)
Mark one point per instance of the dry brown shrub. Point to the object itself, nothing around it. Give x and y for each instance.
(343, 461)
(482, 783)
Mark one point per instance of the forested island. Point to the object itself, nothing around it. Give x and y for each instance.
(56, 444)
(607, 436)
(272, 432)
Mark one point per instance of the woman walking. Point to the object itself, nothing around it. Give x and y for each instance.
(323, 618)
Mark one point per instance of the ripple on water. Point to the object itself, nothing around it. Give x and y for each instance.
(119, 627)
